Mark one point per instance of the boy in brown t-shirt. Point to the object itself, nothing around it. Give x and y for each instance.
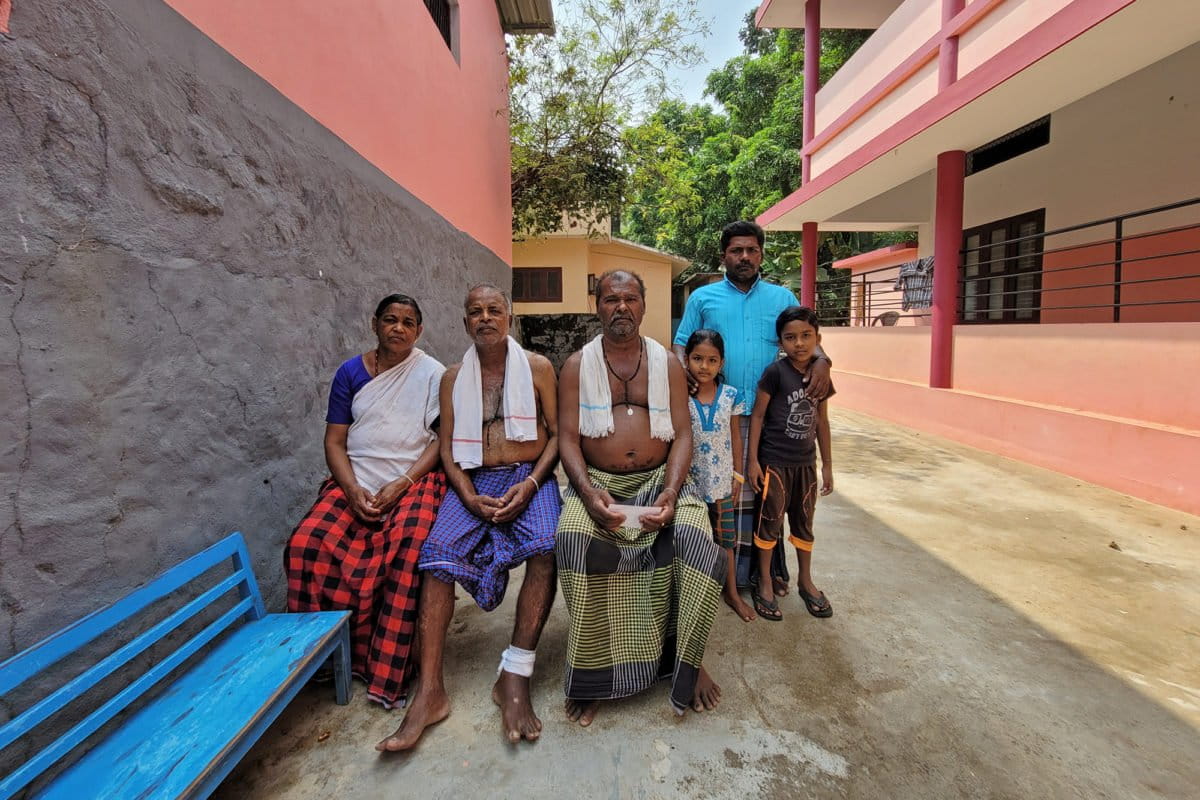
(786, 429)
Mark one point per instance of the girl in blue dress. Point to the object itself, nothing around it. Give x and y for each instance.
(716, 432)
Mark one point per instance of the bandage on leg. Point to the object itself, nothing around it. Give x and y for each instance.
(516, 661)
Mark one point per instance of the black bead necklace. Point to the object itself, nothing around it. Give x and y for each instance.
(624, 381)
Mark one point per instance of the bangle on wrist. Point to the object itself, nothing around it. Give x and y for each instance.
(536, 485)
(737, 476)
(672, 491)
(411, 482)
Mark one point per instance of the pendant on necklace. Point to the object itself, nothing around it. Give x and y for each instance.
(629, 411)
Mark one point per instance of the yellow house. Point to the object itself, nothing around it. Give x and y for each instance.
(555, 274)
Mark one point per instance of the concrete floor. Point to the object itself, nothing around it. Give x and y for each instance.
(988, 641)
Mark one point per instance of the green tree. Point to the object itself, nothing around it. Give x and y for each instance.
(572, 97)
(696, 169)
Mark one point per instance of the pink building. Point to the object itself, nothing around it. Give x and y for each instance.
(418, 89)
(1045, 152)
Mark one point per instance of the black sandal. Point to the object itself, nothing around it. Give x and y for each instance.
(768, 611)
(818, 606)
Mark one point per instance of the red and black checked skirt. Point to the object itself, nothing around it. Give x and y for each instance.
(336, 561)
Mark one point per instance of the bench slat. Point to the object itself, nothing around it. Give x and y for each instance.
(51, 704)
(187, 738)
(21, 777)
(28, 663)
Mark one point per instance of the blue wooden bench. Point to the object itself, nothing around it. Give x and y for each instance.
(188, 736)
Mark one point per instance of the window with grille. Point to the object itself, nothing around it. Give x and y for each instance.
(537, 285)
(440, 10)
(1002, 270)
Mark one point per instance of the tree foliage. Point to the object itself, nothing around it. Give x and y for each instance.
(696, 169)
(595, 128)
(572, 97)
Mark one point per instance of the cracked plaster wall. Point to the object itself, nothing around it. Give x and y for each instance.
(185, 258)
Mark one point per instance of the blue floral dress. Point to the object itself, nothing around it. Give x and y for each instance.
(712, 456)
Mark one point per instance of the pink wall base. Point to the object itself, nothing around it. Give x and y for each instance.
(1153, 462)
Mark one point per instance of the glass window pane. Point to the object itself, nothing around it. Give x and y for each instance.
(970, 300)
(971, 257)
(996, 253)
(996, 298)
(1027, 300)
(1028, 249)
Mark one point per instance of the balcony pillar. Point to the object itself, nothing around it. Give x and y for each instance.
(947, 244)
(948, 49)
(812, 77)
(808, 265)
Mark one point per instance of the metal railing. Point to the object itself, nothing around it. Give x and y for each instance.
(1122, 276)
(1128, 274)
(869, 298)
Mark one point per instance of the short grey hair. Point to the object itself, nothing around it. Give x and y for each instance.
(613, 273)
(489, 285)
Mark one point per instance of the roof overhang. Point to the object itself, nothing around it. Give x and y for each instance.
(1048, 69)
(678, 263)
(868, 14)
(526, 16)
(891, 256)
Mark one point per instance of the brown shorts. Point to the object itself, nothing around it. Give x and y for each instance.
(791, 491)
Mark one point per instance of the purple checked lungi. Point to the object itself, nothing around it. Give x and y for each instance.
(478, 554)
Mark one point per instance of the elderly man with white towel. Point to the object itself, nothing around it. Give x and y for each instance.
(641, 592)
(499, 446)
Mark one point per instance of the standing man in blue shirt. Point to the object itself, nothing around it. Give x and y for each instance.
(743, 308)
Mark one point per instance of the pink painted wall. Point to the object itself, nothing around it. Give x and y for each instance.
(378, 74)
(908, 27)
(1079, 367)
(1154, 463)
(896, 353)
(1114, 404)
(1158, 265)
(1005, 24)
(1067, 268)
(1144, 372)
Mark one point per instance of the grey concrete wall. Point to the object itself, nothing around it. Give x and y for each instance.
(185, 258)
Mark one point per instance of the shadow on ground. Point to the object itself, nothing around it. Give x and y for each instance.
(987, 642)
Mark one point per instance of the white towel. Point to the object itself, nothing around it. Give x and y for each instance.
(595, 397)
(519, 404)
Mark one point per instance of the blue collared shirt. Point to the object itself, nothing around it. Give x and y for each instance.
(745, 320)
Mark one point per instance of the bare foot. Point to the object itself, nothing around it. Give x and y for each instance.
(427, 708)
(582, 711)
(511, 693)
(780, 587)
(708, 694)
(735, 601)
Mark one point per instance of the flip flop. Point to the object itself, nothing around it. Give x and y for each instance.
(768, 611)
(818, 606)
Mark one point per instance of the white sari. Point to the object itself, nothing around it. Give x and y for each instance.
(392, 414)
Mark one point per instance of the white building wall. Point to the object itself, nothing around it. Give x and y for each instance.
(1132, 145)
